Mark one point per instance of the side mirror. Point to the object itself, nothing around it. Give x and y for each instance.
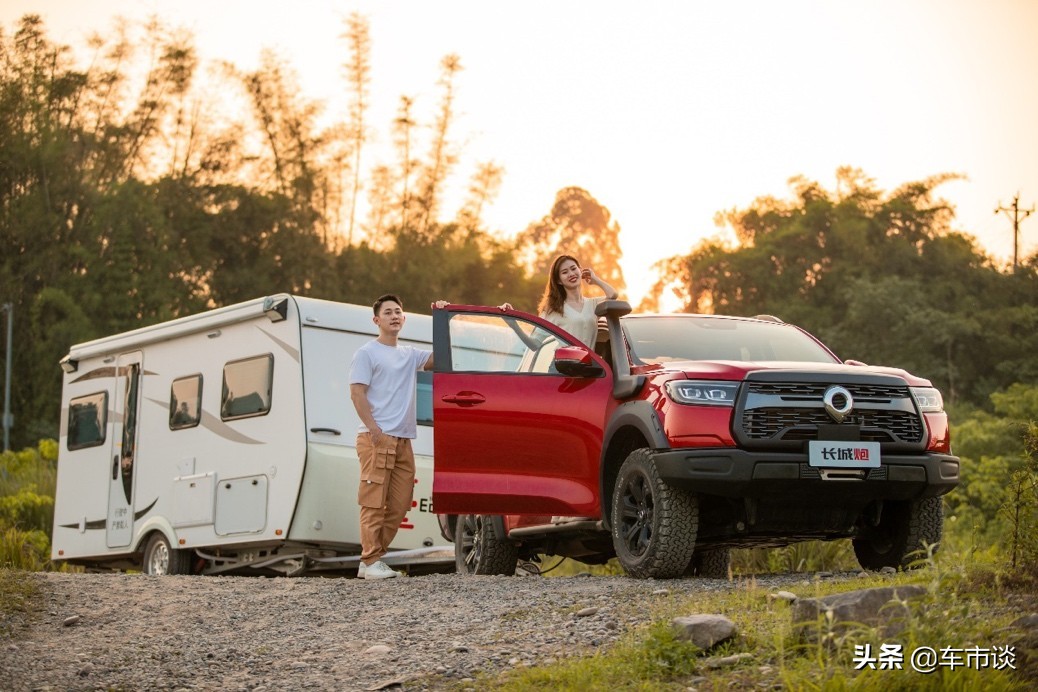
(576, 361)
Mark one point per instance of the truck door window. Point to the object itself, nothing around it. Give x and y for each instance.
(501, 344)
(185, 402)
(247, 387)
(87, 421)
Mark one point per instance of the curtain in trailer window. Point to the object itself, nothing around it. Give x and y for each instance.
(247, 387)
(87, 421)
(185, 402)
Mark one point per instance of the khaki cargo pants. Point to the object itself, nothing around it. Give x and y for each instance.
(386, 492)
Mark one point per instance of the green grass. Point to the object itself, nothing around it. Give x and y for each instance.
(963, 607)
(808, 556)
(19, 599)
(27, 550)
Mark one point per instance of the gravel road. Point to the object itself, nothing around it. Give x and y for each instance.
(135, 632)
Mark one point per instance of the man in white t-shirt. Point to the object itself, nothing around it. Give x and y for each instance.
(382, 387)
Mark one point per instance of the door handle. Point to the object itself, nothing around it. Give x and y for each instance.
(464, 398)
(115, 467)
(333, 431)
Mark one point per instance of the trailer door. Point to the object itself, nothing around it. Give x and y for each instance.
(123, 449)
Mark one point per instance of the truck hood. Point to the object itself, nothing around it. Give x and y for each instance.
(738, 370)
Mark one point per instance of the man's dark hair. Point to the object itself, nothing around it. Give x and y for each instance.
(386, 297)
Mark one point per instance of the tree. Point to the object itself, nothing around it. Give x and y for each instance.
(126, 203)
(358, 74)
(403, 129)
(442, 156)
(483, 187)
(578, 225)
(994, 446)
(879, 277)
(79, 234)
(451, 262)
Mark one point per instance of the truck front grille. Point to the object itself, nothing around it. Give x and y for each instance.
(784, 414)
(802, 424)
(814, 390)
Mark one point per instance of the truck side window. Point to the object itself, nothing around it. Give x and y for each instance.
(185, 402)
(247, 387)
(500, 344)
(87, 420)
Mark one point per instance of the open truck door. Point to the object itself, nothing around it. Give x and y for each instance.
(514, 433)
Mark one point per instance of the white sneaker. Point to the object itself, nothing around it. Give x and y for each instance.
(361, 567)
(380, 570)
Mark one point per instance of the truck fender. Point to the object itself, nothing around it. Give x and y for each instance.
(633, 424)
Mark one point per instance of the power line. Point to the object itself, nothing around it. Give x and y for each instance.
(1017, 218)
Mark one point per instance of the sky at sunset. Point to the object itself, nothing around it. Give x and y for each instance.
(667, 112)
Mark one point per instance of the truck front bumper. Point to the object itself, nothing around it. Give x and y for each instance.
(740, 474)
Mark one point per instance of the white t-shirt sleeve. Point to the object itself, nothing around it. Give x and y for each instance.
(420, 357)
(361, 368)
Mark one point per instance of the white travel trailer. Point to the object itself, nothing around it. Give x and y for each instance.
(225, 441)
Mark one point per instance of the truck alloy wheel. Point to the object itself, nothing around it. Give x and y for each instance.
(654, 524)
(480, 546)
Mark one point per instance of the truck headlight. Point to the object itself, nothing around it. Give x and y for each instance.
(928, 399)
(703, 392)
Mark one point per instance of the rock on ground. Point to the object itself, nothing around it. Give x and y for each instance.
(136, 632)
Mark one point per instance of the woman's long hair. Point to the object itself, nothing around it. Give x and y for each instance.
(554, 294)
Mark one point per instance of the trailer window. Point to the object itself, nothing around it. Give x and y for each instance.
(246, 387)
(87, 420)
(185, 402)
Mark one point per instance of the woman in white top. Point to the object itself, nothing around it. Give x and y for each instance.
(564, 304)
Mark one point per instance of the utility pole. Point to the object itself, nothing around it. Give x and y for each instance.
(8, 418)
(1017, 218)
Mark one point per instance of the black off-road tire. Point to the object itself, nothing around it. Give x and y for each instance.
(654, 524)
(481, 546)
(161, 559)
(906, 531)
(710, 564)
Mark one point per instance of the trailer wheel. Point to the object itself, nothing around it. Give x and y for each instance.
(480, 546)
(160, 558)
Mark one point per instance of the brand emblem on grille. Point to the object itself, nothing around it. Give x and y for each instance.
(838, 403)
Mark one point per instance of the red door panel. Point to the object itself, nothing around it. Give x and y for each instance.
(511, 435)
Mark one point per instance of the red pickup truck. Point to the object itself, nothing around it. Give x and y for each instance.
(674, 440)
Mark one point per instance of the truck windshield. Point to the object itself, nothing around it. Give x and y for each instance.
(694, 337)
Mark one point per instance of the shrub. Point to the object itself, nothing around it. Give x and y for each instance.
(26, 550)
(27, 510)
(28, 479)
(36, 468)
(806, 556)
